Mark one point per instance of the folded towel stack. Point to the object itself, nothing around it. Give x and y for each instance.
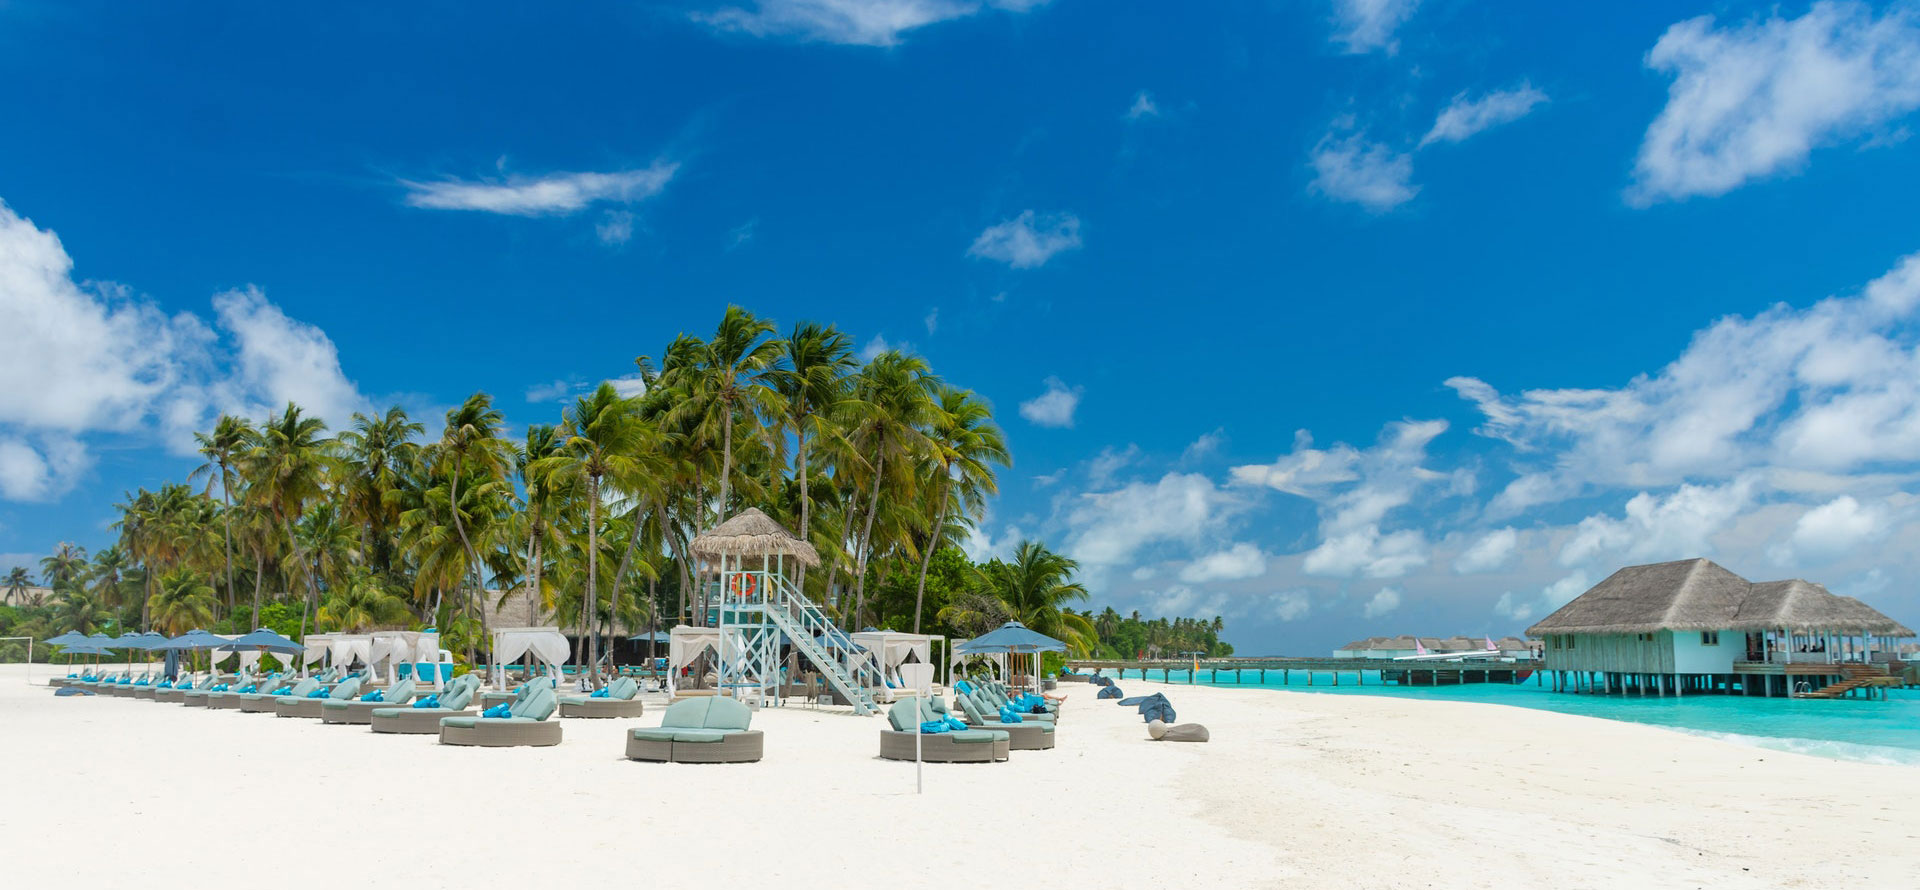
(431, 701)
(498, 711)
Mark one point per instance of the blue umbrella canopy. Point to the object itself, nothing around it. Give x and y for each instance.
(1011, 637)
(84, 647)
(139, 641)
(66, 639)
(100, 639)
(262, 639)
(194, 639)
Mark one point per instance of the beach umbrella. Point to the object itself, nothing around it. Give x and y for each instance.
(1014, 637)
(65, 639)
(263, 641)
(192, 641)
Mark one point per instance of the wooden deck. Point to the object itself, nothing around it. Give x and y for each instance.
(1240, 669)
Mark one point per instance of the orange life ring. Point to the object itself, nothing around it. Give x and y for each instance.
(744, 585)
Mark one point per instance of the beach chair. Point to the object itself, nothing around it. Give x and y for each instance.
(145, 687)
(526, 724)
(514, 695)
(176, 693)
(621, 699)
(952, 746)
(998, 696)
(310, 706)
(1027, 735)
(230, 699)
(359, 711)
(422, 717)
(707, 729)
(263, 702)
(201, 695)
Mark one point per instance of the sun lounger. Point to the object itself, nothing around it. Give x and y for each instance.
(953, 746)
(514, 695)
(358, 711)
(1027, 735)
(175, 694)
(230, 699)
(307, 706)
(415, 720)
(525, 725)
(201, 695)
(705, 729)
(622, 700)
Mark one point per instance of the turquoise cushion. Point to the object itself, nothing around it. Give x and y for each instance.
(459, 722)
(663, 734)
(688, 712)
(976, 736)
(699, 736)
(725, 713)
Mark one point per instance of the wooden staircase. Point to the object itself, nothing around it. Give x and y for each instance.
(1854, 676)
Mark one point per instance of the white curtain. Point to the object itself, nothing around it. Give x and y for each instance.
(684, 644)
(348, 646)
(318, 645)
(546, 644)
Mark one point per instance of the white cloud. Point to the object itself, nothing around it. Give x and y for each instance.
(1053, 408)
(1236, 563)
(880, 344)
(1292, 605)
(555, 194)
(1382, 603)
(1513, 607)
(1116, 528)
(855, 22)
(1751, 100)
(95, 360)
(1354, 170)
(1306, 471)
(932, 320)
(741, 234)
(1029, 240)
(616, 227)
(1364, 26)
(1464, 117)
(1142, 107)
(549, 392)
(1833, 529)
(1550, 598)
(1831, 388)
(1492, 552)
(629, 386)
(1678, 525)
(1204, 447)
(1367, 552)
(1106, 465)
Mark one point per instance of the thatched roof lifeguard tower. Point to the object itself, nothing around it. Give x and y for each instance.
(760, 611)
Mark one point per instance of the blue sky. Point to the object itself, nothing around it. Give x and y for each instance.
(1336, 318)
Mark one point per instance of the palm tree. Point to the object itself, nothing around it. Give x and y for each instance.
(964, 443)
(731, 384)
(379, 454)
(889, 408)
(76, 611)
(17, 583)
(471, 444)
(1037, 585)
(360, 603)
(819, 362)
(65, 566)
(230, 439)
(182, 602)
(542, 499)
(603, 436)
(287, 469)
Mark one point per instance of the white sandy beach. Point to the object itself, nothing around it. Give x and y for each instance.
(1296, 790)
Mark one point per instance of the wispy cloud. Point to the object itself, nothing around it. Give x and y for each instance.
(555, 194)
(1357, 171)
(1753, 100)
(1029, 240)
(1053, 408)
(1364, 26)
(1463, 117)
(615, 228)
(1143, 107)
(854, 22)
(932, 320)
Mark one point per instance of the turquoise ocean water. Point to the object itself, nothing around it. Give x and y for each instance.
(1874, 731)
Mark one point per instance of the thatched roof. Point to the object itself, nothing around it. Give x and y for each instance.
(753, 533)
(1697, 594)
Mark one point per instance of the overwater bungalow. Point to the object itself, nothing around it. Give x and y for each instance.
(1691, 626)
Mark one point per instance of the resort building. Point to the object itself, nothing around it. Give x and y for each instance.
(1402, 646)
(1673, 628)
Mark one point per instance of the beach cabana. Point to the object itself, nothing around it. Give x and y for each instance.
(544, 645)
(315, 648)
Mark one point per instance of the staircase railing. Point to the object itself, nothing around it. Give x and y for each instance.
(805, 624)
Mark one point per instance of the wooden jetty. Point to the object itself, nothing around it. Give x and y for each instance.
(1390, 671)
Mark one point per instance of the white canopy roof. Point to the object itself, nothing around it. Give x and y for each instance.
(895, 648)
(545, 644)
(346, 647)
(684, 644)
(318, 645)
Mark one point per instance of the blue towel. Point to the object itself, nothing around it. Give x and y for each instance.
(431, 701)
(934, 726)
(602, 692)
(319, 693)
(964, 687)
(1009, 715)
(498, 711)
(375, 695)
(956, 724)
(250, 687)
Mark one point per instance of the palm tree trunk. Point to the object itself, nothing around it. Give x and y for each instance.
(866, 541)
(926, 559)
(313, 587)
(259, 576)
(726, 465)
(473, 559)
(533, 551)
(593, 579)
(806, 513)
(226, 517)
